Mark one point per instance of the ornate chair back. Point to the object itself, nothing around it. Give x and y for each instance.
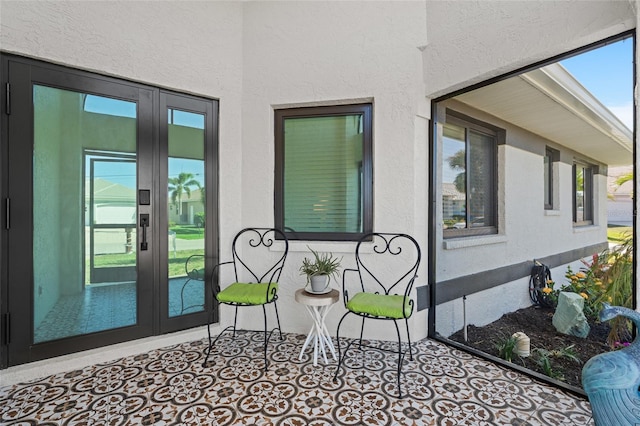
(254, 260)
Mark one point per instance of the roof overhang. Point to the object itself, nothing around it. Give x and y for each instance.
(551, 103)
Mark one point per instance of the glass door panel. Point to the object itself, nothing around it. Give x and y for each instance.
(84, 213)
(186, 206)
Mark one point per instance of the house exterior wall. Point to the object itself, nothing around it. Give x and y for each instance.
(620, 210)
(257, 56)
(620, 203)
(526, 231)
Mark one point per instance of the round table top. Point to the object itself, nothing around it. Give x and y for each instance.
(311, 299)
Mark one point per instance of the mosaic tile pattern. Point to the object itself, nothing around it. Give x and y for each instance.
(170, 386)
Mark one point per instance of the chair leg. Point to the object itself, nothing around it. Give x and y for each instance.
(361, 333)
(400, 356)
(275, 305)
(213, 343)
(266, 340)
(206, 358)
(235, 322)
(406, 321)
(340, 356)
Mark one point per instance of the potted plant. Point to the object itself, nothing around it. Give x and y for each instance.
(319, 270)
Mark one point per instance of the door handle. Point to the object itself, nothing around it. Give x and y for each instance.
(144, 224)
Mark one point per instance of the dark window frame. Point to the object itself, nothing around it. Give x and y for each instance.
(280, 115)
(499, 136)
(587, 198)
(553, 156)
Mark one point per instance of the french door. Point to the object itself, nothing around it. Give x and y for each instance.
(109, 187)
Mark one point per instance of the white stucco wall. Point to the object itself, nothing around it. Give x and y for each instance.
(322, 53)
(255, 56)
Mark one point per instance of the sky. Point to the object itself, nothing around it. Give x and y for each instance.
(124, 172)
(607, 72)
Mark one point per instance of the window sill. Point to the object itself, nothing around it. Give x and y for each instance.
(552, 212)
(481, 240)
(577, 229)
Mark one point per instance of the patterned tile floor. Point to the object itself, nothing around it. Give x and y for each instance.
(170, 386)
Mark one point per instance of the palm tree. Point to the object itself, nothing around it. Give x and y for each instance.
(179, 185)
(621, 180)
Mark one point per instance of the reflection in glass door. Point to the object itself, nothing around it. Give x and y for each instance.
(84, 213)
(110, 217)
(186, 205)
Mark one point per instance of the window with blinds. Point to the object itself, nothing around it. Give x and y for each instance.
(323, 172)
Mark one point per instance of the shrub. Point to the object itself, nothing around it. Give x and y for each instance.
(618, 288)
(607, 278)
(587, 285)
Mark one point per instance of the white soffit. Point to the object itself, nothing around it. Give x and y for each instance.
(551, 103)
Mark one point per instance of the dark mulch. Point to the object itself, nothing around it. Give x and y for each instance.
(536, 323)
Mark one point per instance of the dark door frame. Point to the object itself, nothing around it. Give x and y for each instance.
(16, 141)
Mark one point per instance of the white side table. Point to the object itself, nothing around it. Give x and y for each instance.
(318, 306)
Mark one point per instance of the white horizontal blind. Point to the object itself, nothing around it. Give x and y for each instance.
(323, 173)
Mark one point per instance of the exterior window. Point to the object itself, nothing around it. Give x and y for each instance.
(551, 156)
(324, 172)
(469, 200)
(582, 194)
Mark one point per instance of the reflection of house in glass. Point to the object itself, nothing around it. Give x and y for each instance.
(190, 211)
(112, 203)
(620, 197)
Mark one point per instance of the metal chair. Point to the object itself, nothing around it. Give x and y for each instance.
(387, 266)
(257, 269)
(194, 267)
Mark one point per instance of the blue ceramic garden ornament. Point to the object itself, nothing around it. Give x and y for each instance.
(612, 380)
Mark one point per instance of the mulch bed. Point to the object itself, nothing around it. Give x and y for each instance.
(536, 323)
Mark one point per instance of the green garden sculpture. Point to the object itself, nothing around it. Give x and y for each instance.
(612, 380)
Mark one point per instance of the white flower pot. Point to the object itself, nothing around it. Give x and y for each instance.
(319, 283)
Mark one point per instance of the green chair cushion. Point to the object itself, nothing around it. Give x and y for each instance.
(247, 293)
(380, 305)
